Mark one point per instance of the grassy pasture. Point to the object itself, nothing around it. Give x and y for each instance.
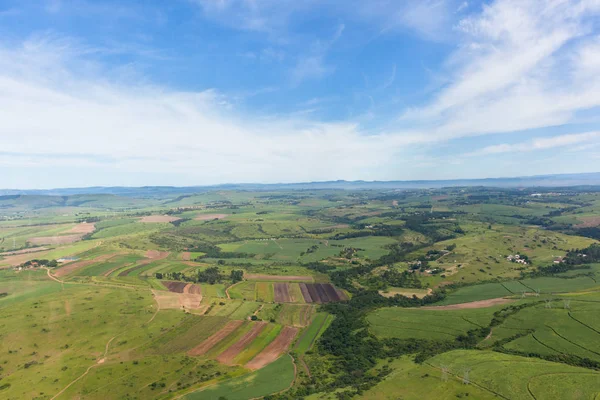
(216, 290)
(273, 378)
(106, 266)
(266, 336)
(243, 290)
(546, 285)
(265, 292)
(427, 324)
(481, 253)
(516, 377)
(558, 330)
(410, 381)
(318, 325)
(292, 249)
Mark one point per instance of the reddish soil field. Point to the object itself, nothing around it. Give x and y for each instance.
(157, 255)
(305, 293)
(186, 256)
(65, 239)
(228, 355)
(341, 295)
(84, 228)
(321, 293)
(275, 349)
(473, 304)
(192, 289)
(24, 251)
(282, 293)
(209, 343)
(70, 267)
(280, 278)
(588, 222)
(209, 217)
(159, 218)
(176, 287)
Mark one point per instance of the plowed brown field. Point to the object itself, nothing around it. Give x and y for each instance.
(211, 342)
(275, 349)
(228, 355)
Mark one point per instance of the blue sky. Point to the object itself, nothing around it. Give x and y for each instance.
(193, 92)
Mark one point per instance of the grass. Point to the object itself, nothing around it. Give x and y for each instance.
(106, 266)
(558, 330)
(216, 290)
(190, 331)
(243, 290)
(515, 288)
(231, 339)
(270, 379)
(295, 315)
(319, 324)
(427, 324)
(517, 377)
(266, 336)
(410, 381)
(265, 292)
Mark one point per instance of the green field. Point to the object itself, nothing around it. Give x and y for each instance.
(125, 335)
(273, 378)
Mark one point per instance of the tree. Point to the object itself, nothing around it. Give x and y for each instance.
(237, 275)
(159, 275)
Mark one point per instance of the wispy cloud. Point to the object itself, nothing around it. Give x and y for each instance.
(561, 141)
(313, 65)
(150, 129)
(524, 64)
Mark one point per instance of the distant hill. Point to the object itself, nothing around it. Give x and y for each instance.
(547, 181)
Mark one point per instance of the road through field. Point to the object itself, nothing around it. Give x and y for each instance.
(97, 363)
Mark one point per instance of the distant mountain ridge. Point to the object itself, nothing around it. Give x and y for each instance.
(558, 180)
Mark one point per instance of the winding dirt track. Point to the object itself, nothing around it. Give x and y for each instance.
(98, 362)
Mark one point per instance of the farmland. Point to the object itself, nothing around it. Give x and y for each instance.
(314, 294)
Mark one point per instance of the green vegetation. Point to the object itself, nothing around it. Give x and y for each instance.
(274, 378)
(147, 308)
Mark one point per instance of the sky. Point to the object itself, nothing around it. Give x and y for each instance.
(202, 92)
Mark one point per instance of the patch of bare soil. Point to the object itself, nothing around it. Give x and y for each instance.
(211, 342)
(24, 251)
(190, 288)
(282, 293)
(158, 218)
(186, 256)
(280, 278)
(83, 228)
(228, 355)
(156, 255)
(209, 217)
(173, 286)
(64, 239)
(176, 301)
(275, 349)
(588, 222)
(473, 304)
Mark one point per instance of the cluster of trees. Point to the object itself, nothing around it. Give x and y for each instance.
(212, 251)
(209, 275)
(590, 254)
(41, 263)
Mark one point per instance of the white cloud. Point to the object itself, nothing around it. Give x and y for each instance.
(541, 144)
(314, 66)
(524, 64)
(54, 116)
